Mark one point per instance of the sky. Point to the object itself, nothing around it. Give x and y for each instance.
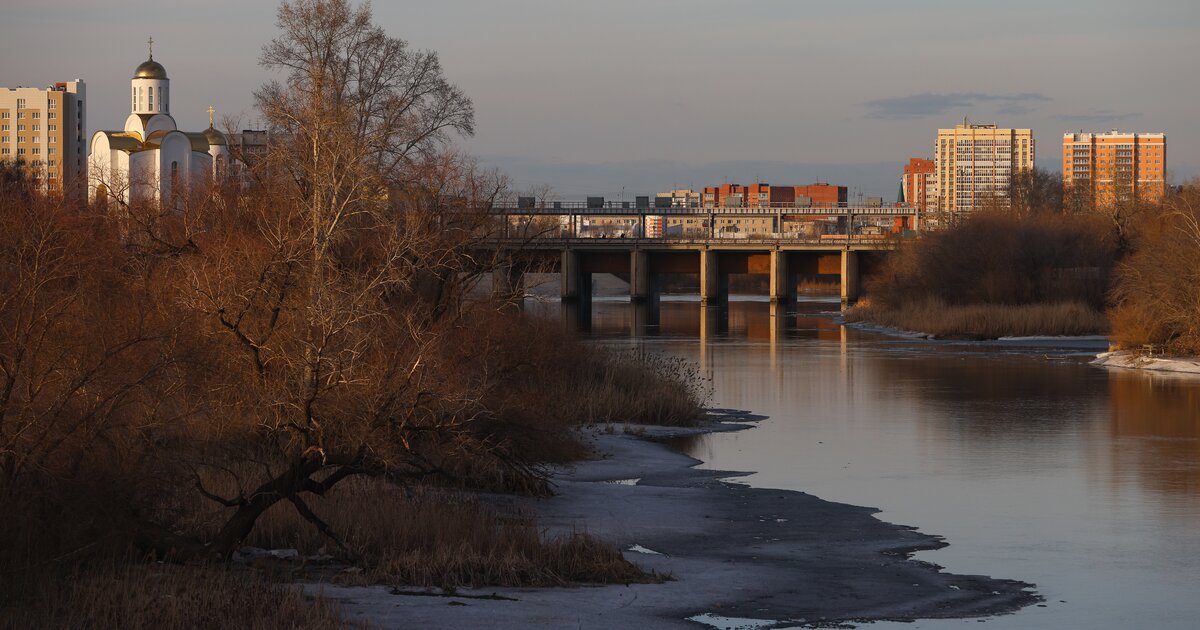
(631, 97)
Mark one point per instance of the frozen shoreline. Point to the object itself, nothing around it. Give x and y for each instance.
(736, 553)
(1136, 361)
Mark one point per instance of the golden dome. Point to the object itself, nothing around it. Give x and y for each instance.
(150, 69)
(215, 137)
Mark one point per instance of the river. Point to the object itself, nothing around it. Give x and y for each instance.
(1031, 463)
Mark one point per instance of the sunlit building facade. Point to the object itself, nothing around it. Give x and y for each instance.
(43, 129)
(1104, 168)
(976, 163)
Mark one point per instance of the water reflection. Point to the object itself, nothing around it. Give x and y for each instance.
(1033, 464)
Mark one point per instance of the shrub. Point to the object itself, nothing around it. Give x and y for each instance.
(1156, 296)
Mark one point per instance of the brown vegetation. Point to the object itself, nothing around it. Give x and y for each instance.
(985, 274)
(170, 373)
(985, 321)
(430, 537)
(139, 596)
(1157, 290)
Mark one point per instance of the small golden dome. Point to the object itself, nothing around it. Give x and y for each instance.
(215, 137)
(150, 69)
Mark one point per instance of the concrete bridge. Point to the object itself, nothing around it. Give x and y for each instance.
(642, 262)
(836, 240)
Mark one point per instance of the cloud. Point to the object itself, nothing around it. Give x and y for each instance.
(929, 104)
(1099, 116)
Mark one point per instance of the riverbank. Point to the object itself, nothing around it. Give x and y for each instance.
(1137, 361)
(978, 322)
(733, 552)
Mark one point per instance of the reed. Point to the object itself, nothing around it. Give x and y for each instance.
(984, 321)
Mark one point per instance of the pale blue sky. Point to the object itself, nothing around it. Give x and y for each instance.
(590, 97)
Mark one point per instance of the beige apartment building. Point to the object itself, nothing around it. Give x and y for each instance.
(1102, 168)
(44, 129)
(975, 165)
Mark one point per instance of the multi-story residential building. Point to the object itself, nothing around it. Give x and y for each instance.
(919, 185)
(976, 163)
(44, 130)
(1103, 168)
(678, 198)
(822, 195)
(765, 195)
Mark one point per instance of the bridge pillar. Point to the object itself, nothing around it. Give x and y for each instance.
(849, 276)
(780, 285)
(569, 275)
(508, 282)
(712, 290)
(639, 276)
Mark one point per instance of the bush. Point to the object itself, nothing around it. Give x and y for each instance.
(1156, 295)
(998, 274)
(1002, 258)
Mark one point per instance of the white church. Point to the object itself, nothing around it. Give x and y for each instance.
(151, 159)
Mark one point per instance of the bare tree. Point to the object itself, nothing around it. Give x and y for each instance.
(328, 287)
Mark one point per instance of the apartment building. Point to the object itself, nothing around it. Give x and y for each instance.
(678, 198)
(919, 184)
(1103, 168)
(44, 130)
(975, 164)
(765, 196)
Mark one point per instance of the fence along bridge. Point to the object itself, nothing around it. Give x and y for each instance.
(640, 243)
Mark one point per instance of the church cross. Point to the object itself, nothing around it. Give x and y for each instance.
(210, 115)
(151, 43)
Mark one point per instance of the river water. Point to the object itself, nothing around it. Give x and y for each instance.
(1031, 463)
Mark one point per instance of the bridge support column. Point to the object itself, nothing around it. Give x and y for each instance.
(849, 276)
(508, 282)
(639, 276)
(712, 291)
(781, 289)
(569, 275)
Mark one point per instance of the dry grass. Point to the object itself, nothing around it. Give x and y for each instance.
(985, 321)
(818, 287)
(635, 386)
(427, 537)
(138, 596)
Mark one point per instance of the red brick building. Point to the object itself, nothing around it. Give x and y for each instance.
(766, 195)
(920, 185)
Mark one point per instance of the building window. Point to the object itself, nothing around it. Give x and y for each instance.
(37, 150)
(20, 115)
(52, 115)
(5, 151)
(4, 115)
(51, 151)
(20, 103)
(37, 128)
(37, 115)
(51, 127)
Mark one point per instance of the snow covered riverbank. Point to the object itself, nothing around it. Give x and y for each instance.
(1138, 361)
(736, 555)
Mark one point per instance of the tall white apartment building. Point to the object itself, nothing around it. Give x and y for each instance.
(975, 165)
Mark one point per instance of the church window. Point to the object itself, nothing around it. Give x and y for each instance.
(151, 102)
(134, 106)
(160, 101)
